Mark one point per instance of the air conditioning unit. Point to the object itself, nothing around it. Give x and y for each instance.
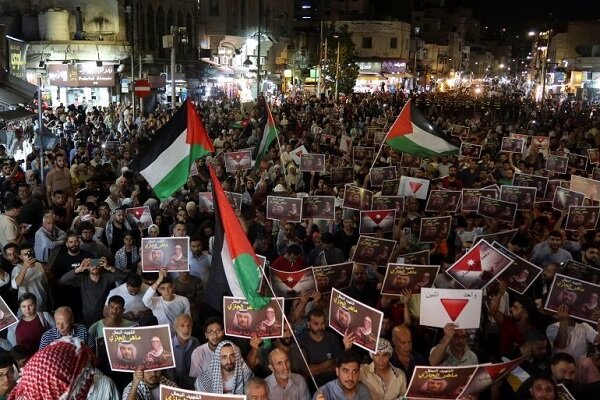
(178, 68)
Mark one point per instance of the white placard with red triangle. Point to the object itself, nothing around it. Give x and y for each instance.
(441, 306)
(413, 187)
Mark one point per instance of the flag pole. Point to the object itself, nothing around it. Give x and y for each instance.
(386, 135)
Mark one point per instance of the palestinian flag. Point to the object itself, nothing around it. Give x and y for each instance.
(168, 158)
(269, 135)
(235, 268)
(412, 133)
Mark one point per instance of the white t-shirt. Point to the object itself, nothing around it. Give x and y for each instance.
(166, 311)
(34, 282)
(579, 336)
(133, 304)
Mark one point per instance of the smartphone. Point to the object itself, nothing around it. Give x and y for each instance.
(95, 262)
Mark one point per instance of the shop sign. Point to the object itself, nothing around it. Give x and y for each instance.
(80, 75)
(17, 61)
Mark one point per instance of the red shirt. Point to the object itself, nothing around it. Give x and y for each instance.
(29, 333)
(510, 334)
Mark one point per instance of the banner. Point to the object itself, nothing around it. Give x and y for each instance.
(240, 319)
(400, 277)
(165, 252)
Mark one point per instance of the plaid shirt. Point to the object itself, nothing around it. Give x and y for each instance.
(78, 330)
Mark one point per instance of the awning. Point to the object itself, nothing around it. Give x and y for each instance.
(19, 113)
(398, 75)
(14, 91)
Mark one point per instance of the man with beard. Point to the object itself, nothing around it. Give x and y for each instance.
(550, 251)
(88, 243)
(452, 350)
(202, 355)
(589, 254)
(451, 181)
(346, 386)
(283, 383)
(563, 371)
(227, 374)
(146, 385)
(183, 346)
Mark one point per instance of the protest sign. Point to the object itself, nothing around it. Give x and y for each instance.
(318, 207)
(581, 298)
(238, 160)
(292, 284)
(435, 228)
(400, 277)
(443, 201)
(519, 275)
(334, 275)
(442, 306)
(139, 217)
(287, 209)
(242, 320)
(357, 198)
(440, 383)
(148, 348)
(373, 220)
(165, 252)
(373, 251)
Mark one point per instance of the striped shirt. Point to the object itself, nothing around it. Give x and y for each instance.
(78, 330)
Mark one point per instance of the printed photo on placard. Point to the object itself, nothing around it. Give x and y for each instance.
(512, 145)
(556, 164)
(440, 383)
(292, 285)
(523, 196)
(345, 143)
(479, 266)
(373, 220)
(390, 188)
(312, 162)
(165, 252)
(551, 188)
(287, 209)
(488, 374)
(577, 161)
(442, 306)
(297, 153)
(357, 198)
(336, 276)
(389, 203)
(434, 228)
(565, 198)
(148, 347)
(470, 198)
(242, 320)
(470, 150)
(520, 136)
(413, 187)
(238, 161)
(379, 137)
(459, 131)
(350, 316)
(7, 318)
(378, 175)
(596, 173)
(586, 217)
(538, 182)
(562, 393)
(503, 237)
(410, 161)
(497, 209)
(589, 187)
(373, 251)
(362, 155)
(416, 258)
(206, 204)
(172, 393)
(594, 156)
(441, 201)
(540, 144)
(342, 175)
(584, 272)
(581, 297)
(520, 274)
(235, 199)
(318, 207)
(139, 217)
(400, 277)
(328, 139)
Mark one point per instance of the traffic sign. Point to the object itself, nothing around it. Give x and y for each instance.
(141, 88)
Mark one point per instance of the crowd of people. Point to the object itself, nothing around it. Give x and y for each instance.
(52, 230)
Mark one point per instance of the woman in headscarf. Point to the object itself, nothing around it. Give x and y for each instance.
(294, 180)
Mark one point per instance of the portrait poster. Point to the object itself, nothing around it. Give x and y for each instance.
(596, 173)
(373, 251)
(512, 145)
(240, 319)
(442, 306)
(410, 161)
(520, 136)
(470, 150)
(542, 144)
(581, 297)
(389, 203)
(373, 220)
(589, 187)
(556, 164)
(206, 203)
(139, 217)
(235, 199)
(434, 228)
(497, 209)
(336, 276)
(292, 285)
(562, 393)
(519, 275)
(165, 252)
(7, 317)
(390, 187)
(586, 217)
(357, 198)
(345, 143)
(536, 181)
(594, 156)
(443, 201)
(416, 258)
(401, 277)
(459, 131)
(312, 162)
(502, 237)
(565, 198)
(523, 196)
(581, 271)
(147, 347)
(318, 207)
(350, 316)
(361, 155)
(380, 174)
(172, 393)
(342, 175)
(238, 161)
(413, 187)
(287, 209)
(297, 153)
(577, 161)
(328, 140)
(488, 374)
(379, 137)
(479, 266)
(551, 188)
(440, 383)
(470, 198)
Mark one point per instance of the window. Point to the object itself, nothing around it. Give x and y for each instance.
(213, 8)
(394, 43)
(367, 42)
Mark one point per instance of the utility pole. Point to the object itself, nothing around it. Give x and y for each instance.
(337, 69)
(258, 91)
(173, 89)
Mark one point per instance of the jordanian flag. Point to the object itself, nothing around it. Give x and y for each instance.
(412, 133)
(168, 158)
(269, 134)
(235, 268)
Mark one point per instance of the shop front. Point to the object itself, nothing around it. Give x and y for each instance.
(81, 84)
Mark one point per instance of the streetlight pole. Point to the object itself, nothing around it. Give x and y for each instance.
(258, 91)
(173, 91)
(337, 69)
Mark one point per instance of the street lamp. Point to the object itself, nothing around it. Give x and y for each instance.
(178, 34)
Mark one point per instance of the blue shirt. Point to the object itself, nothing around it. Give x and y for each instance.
(183, 355)
(334, 391)
(78, 330)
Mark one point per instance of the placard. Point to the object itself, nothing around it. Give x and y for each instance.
(523, 196)
(540, 183)
(470, 198)
(565, 198)
(413, 187)
(577, 161)
(165, 252)
(416, 258)
(503, 237)
(342, 175)
(489, 374)
(345, 143)
(400, 277)
(139, 217)
(581, 298)
(361, 155)
(335, 275)
(389, 203)
(586, 217)
(541, 144)
(373, 251)
(390, 188)
(312, 162)
(171, 393)
(235, 199)
(470, 150)
(287, 209)
(206, 203)
(556, 164)
(589, 187)
(551, 188)
(147, 347)
(596, 173)
(410, 161)
(459, 131)
(378, 175)
(440, 383)
(594, 156)
(442, 306)
(512, 145)
(584, 272)
(373, 220)
(350, 316)
(298, 152)
(238, 161)
(443, 201)
(497, 209)
(435, 228)
(357, 198)
(519, 275)
(7, 317)
(318, 207)
(240, 319)
(293, 284)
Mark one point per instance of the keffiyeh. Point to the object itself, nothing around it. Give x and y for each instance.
(212, 381)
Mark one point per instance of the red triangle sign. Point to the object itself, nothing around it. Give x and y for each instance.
(454, 307)
(415, 186)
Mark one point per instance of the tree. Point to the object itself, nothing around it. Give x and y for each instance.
(348, 68)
